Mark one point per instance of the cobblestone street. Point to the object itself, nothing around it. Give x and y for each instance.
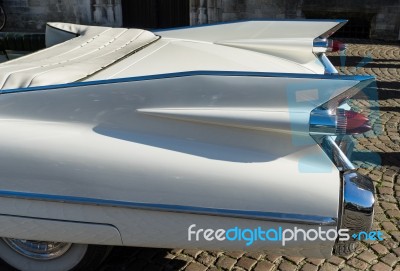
(382, 164)
(380, 152)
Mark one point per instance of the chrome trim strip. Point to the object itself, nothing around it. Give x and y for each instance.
(334, 152)
(331, 31)
(343, 161)
(329, 68)
(346, 144)
(256, 215)
(190, 73)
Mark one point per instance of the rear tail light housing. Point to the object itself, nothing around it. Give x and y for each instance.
(332, 126)
(327, 45)
(332, 129)
(340, 122)
(323, 45)
(335, 46)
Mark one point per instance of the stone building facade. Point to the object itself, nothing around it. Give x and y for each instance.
(380, 19)
(32, 15)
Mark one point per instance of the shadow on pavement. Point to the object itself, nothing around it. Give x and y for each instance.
(135, 258)
(356, 61)
(377, 158)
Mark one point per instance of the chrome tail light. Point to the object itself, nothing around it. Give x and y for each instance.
(331, 126)
(327, 45)
(341, 122)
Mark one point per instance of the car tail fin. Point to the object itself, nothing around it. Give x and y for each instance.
(255, 30)
(295, 40)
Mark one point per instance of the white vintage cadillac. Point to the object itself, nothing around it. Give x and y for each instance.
(216, 137)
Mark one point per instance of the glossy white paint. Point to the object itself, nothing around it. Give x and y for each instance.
(288, 40)
(162, 229)
(266, 46)
(87, 53)
(217, 141)
(101, 141)
(168, 55)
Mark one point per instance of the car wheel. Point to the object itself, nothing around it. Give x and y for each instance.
(27, 255)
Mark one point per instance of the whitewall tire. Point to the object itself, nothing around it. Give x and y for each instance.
(27, 255)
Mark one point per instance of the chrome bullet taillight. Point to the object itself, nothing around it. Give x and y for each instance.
(340, 122)
(327, 45)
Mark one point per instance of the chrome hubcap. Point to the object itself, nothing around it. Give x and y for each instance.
(38, 250)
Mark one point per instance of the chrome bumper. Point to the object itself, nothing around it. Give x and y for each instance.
(358, 202)
(357, 210)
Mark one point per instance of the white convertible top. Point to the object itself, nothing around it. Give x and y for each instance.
(75, 52)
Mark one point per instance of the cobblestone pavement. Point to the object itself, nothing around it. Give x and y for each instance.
(363, 57)
(381, 163)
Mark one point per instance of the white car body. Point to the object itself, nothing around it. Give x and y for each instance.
(111, 140)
